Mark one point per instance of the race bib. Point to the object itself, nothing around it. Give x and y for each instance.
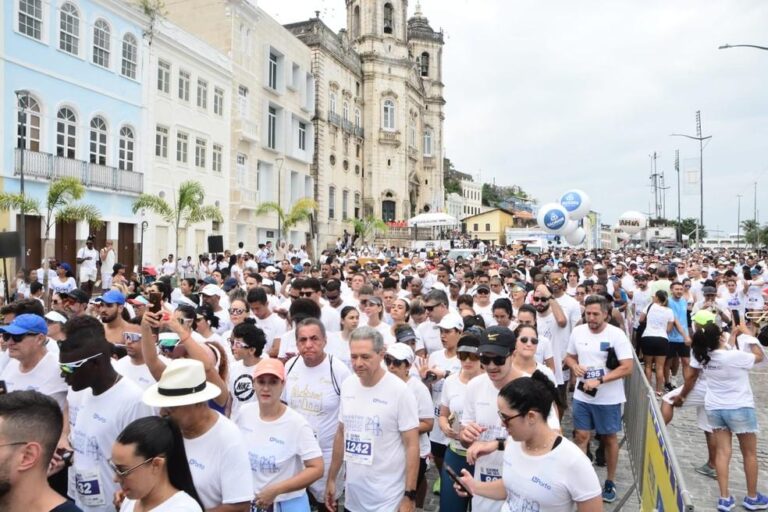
(88, 487)
(358, 448)
(489, 474)
(594, 373)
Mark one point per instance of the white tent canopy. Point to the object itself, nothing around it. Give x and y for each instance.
(431, 220)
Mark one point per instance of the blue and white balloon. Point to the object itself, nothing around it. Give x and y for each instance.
(577, 237)
(576, 202)
(553, 218)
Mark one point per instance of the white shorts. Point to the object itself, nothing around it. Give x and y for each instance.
(694, 399)
(87, 274)
(106, 281)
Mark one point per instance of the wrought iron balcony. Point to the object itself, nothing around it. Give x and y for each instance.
(346, 125)
(50, 167)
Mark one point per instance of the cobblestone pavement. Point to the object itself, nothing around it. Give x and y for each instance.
(690, 449)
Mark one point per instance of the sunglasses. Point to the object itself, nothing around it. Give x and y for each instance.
(236, 311)
(17, 338)
(541, 299)
(464, 356)
(496, 360)
(505, 419)
(483, 292)
(306, 294)
(391, 361)
(167, 345)
(528, 339)
(237, 343)
(430, 308)
(69, 368)
(122, 474)
(131, 337)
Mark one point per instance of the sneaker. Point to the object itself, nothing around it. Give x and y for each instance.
(707, 470)
(609, 492)
(436, 487)
(726, 505)
(759, 503)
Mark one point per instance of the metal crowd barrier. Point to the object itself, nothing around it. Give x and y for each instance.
(657, 476)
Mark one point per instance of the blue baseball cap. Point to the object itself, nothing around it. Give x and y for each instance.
(113, 297)
(24, 324)
(65, 266)
(298, 268)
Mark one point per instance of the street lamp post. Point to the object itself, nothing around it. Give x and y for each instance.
(701, 140)
(738, 223)
(727, 46)
(144, 226)
(279, 198)
(22, 93)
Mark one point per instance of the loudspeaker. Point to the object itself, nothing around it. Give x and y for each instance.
(10, 244)
(216, 243)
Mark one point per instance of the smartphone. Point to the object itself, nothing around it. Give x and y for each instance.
(3, 387)
(66, 455)
(156, 302)
(119, 351)
(580, 387)
(455, 478)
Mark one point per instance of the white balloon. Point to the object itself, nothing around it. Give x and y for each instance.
(552, 218)
(577, 237)
(576, 202)
(632, 222)
(570, 227)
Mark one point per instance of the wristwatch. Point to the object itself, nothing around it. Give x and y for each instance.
(500, 443)
(411, 495)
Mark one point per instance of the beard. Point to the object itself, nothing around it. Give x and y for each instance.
(5, 486)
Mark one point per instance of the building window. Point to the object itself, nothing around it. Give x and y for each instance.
(388, 211)
(302, 136)
(101, 43)
(357, 205)
(331, 202)
(242, 100)
(273, 61)
(183, 85)
(163, 76)
(218, 101)
(476, 227)
(272, 128)
(69, 29)
(216, 158)
(388, 121)
(428, 143)
(346, 111)
(130, 56)
(125, 149)
(31, 18)
(425, 64)
(241, 169)
(200, 149)
(98, 147)
(356, 22)
(332, 104)
(182, 147)
(66, 133)
(202, 94)
(389, 19)
(487, 227)
(344, 204)
(28, 124)
(161, 141)
(358, 122)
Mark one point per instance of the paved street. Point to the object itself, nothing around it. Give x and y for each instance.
(690, 449)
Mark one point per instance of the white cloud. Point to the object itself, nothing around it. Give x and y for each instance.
(560, 94)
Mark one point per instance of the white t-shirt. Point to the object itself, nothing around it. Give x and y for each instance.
(544, 350)
(735, 301)
(452, 397)
(98, 420)
(439, 360)
(179, 502)
(547, 326)
(374, 418)
(425, 411)
(592, 351)
(656, 322)
(88, 267)
(57, 286)
(273, 326)
(331, 318)
(277, 449)
(727, 376)
(287, 344)
(218, 461)
(428, 337)
(138, 373)
(552, 482)
(311, 393)
(641, 299)
(241, 386)
(45, 378)
(755, 294)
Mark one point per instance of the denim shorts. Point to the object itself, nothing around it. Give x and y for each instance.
(603, 419)
(738, 421)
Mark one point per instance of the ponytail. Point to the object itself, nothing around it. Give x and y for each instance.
(704, 341)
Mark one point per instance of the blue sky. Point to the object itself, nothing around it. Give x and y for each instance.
(560, 94)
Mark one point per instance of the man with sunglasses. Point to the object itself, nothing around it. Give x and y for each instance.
(134, 366)
(599, 390)
(311, 289)
(75, 302)
(552, 323)
(428, 335)
(30, 426)
(101, 404)
(31, 366)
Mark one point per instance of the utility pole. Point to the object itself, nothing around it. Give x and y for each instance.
(655, 186)
(677, 170)
(756, 226)
(23, 143)
(738, 222)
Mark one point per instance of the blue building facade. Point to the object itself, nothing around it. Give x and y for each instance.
(72, 87)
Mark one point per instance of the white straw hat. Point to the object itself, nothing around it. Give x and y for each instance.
(182, 383)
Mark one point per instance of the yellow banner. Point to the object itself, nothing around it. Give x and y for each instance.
(661, 493)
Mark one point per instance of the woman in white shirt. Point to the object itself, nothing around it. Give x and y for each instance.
(374, 310)
(730, 407)
(63, 282)
(659, 320)
(542, 470)
(350, 318)
(150, 464)
(284, 453)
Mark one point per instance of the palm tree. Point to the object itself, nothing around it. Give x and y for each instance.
(187, 208)
(60, 206)
(751, 231)
(368, 226)
(300, 210)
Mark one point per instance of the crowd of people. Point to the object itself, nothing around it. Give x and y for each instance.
(266, 381)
